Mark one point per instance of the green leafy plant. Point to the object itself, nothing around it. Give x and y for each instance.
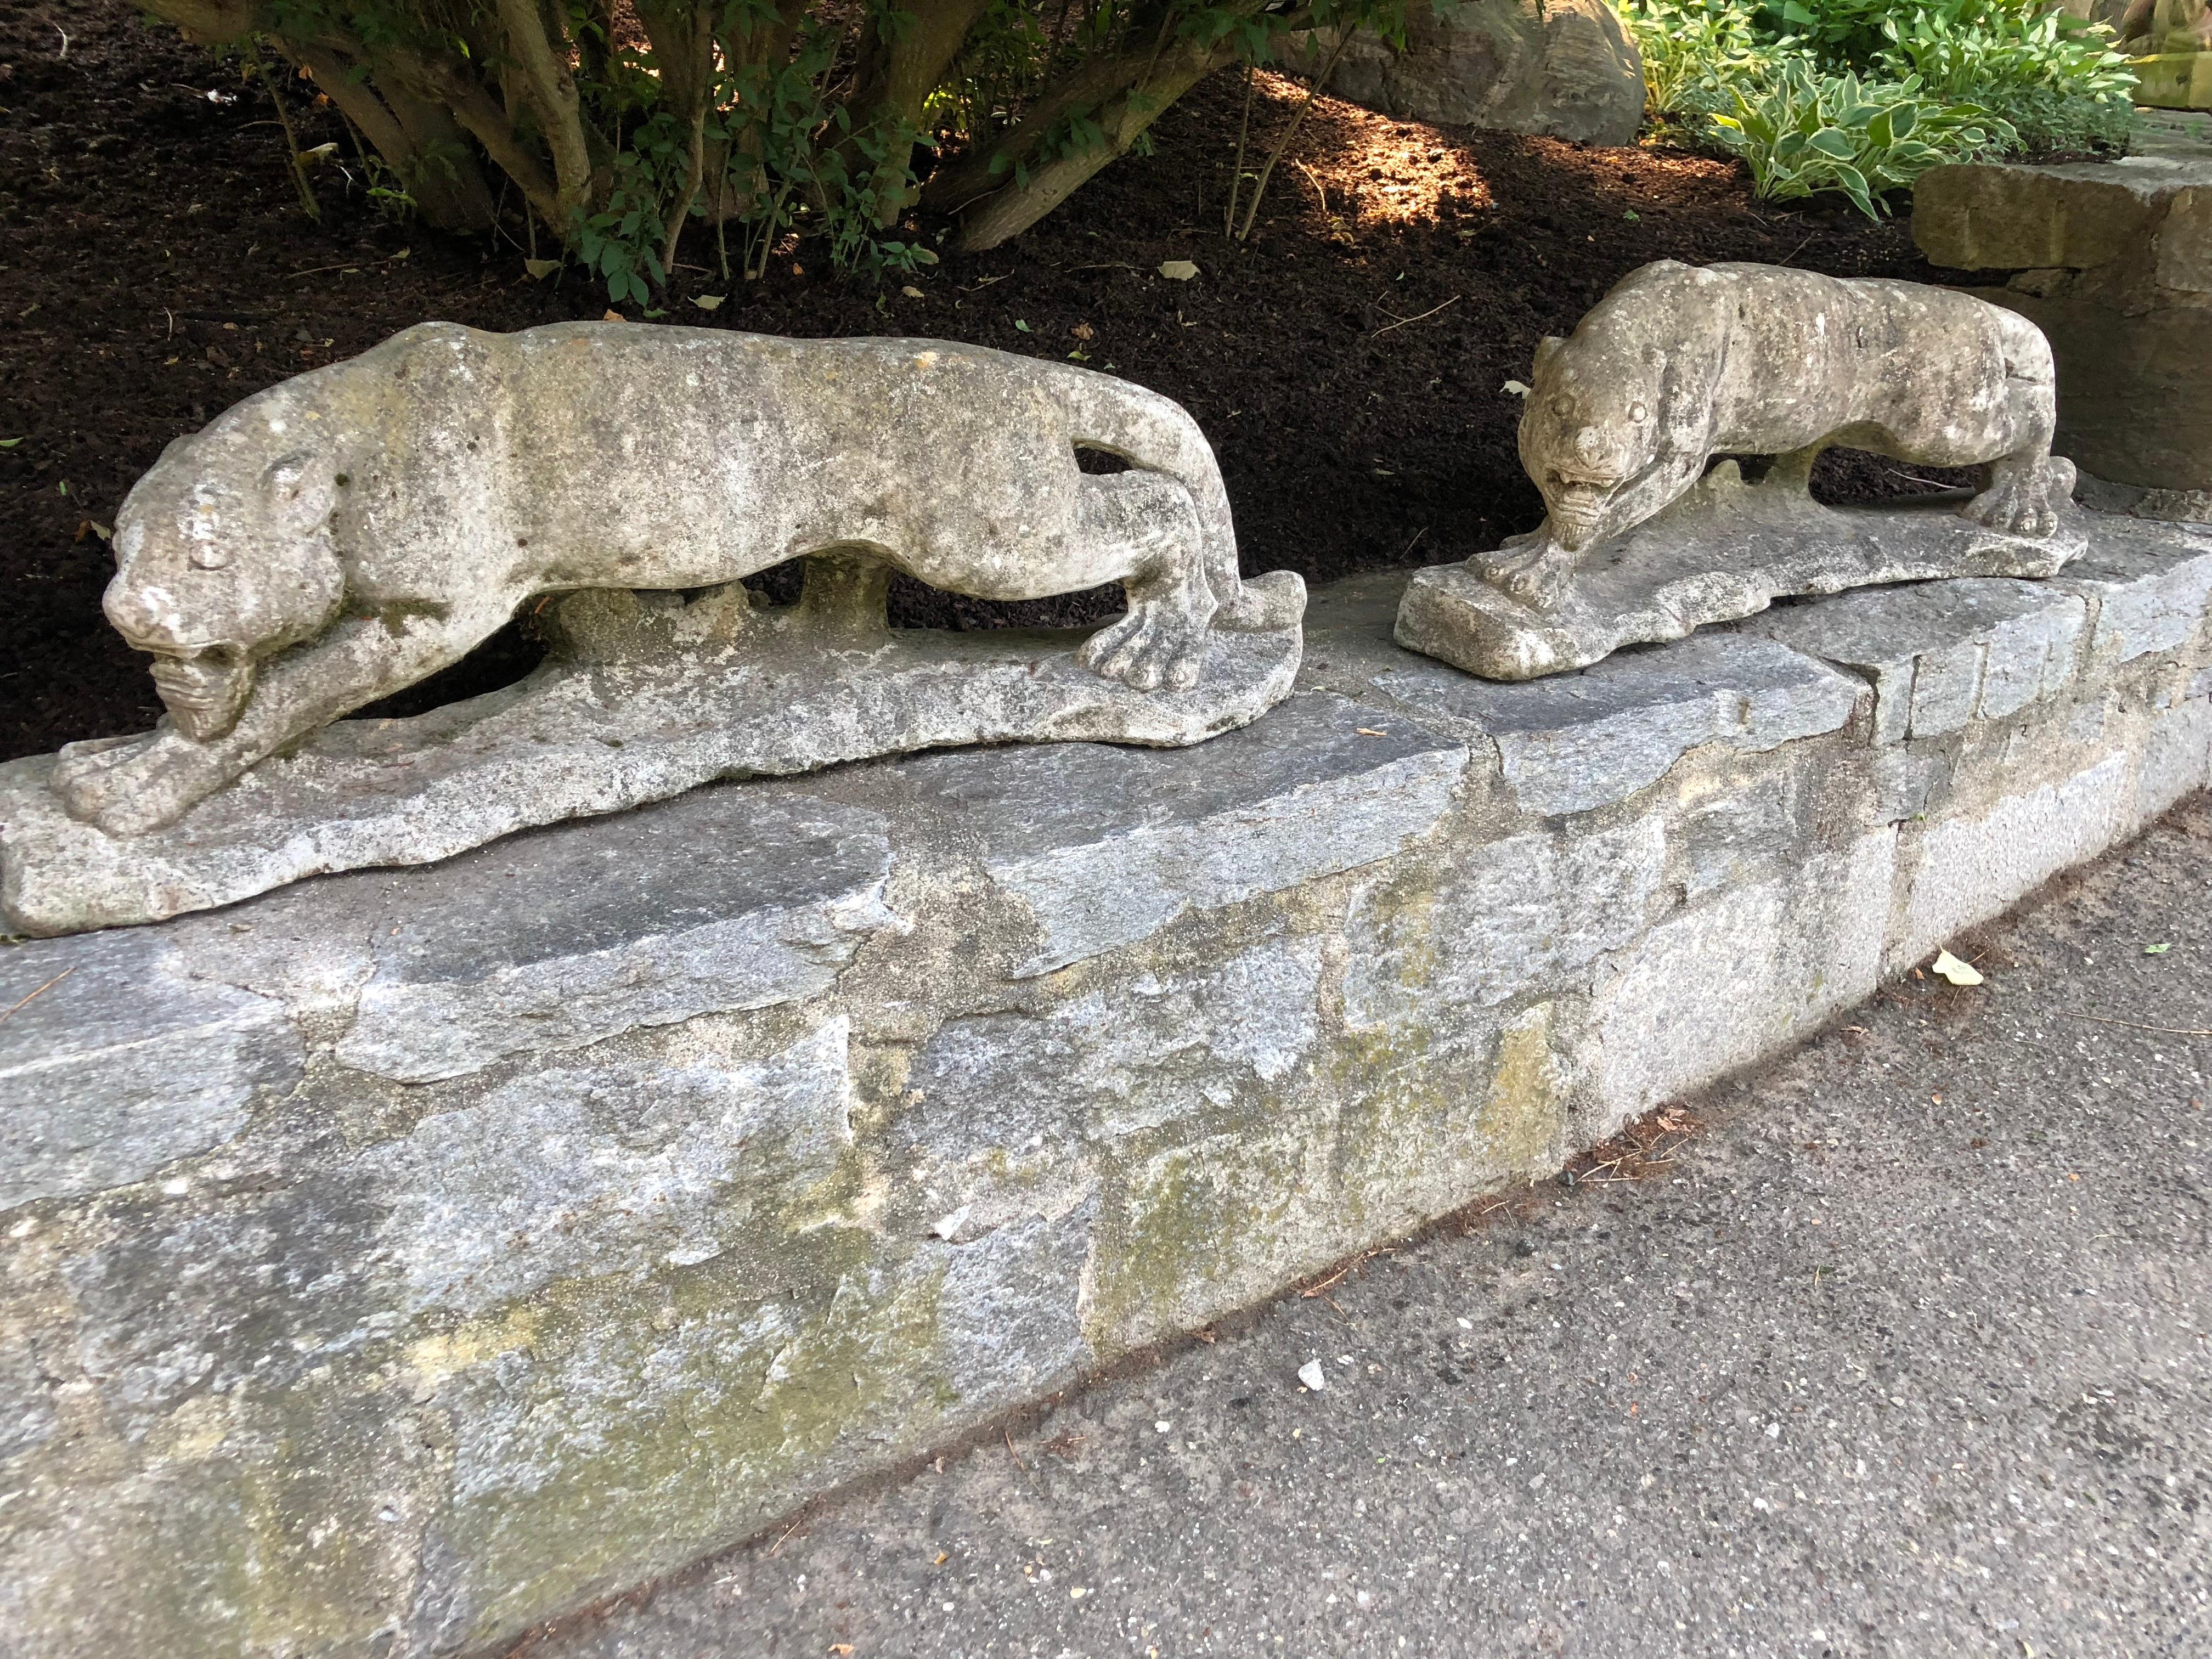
(1803, 133)
(2054, 78)
(1799, 89)
(1695, 52)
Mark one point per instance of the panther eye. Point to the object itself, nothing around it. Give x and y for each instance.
(1638, 413)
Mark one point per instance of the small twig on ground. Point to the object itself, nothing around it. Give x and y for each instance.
(1402, 321)
(787, 1531)
(307, 202)
(1267, 168)
(1008, 1435)
(2137, 1025)
(351, 265)
(41, 992)
(1408, 547)
(1314, 178)
(1237, 173)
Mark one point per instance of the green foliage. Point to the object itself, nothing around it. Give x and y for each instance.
(620, 123)
(1802, 133)
(1696, 52)
(1861, 96)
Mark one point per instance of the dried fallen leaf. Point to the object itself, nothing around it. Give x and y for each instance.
(1958, 972)
(1178, 271)
(913, 293)
(1518, 388)
(540, 269)
(613, 316)
(943, 1555)
(706, 302)
(1370, 731)
(841, 1648)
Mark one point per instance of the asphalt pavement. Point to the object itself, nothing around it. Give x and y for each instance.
(1900, 1347)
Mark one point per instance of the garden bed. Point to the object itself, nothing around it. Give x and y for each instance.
(1347, 362)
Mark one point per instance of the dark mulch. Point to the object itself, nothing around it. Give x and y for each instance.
(1348, 362)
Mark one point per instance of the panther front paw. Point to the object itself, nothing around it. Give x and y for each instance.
(1150, 647)
(1537, 573)
(133, 788)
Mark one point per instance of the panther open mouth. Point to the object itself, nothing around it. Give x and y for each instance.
(205, 690)
(1579, 501)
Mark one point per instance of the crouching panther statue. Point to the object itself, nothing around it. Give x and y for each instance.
(1677, 365)
(342, 535)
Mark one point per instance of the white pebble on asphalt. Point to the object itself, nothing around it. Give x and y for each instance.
(1312, 1375)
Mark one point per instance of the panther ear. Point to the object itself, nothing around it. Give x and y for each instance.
(1548, 351)
(299, 491)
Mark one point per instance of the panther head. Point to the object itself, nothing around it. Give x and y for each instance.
(1590, 428)
(223, 558)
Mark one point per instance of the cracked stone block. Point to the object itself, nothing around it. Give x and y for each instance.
(1010, 1311)
(2000, 216)
(1572, 742)
(2150, 588)
(1508, 918)
(1114, 1061)
(1725, 981)
(1963, 870)
(1940, 655)
(2177, 757)
(1106, 847)
(727, 899)
(631, 1165)
(113, 1064)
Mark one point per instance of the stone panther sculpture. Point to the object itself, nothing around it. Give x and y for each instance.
(343, 534)
(1678, 364)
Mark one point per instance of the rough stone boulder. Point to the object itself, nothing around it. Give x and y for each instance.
(2113, 261)
(1562, 69)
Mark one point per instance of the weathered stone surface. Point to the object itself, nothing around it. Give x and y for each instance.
(1564, 69)
(1643, 538)
(2112, 260)
(1106, 847)
(1941, 653)
(1509, 919)
(379, 1370)
(576, 742)
(1106, 1064)
(558, 942)
(2005, 215)
(2151, 589)
(630, 1167)
(1723, 982)
(1661, 583)
(1959, 871)
(350, 531)
(1578, 741)
(113, 1064)
(2175, 80)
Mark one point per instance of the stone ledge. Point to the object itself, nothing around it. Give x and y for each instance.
(588, 1201)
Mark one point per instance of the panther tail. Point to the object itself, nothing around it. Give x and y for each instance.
(1158, 435)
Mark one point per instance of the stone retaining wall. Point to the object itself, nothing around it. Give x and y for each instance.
(408, 1256)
